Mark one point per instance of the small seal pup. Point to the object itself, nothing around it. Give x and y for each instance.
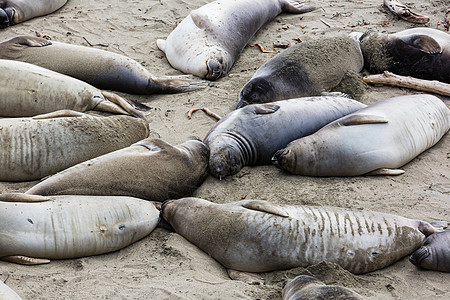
(260, 236)
(150, 169)
(305, 69)
(305, 287)
(29, 90)
(375, 140)
(32, 148)
(434, 254)
(17, 11)
(251, 135)
(210, 39)
(103, 69)
(418, 52)
(35, 228)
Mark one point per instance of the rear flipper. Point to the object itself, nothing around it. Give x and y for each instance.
(247, 277)
(383, 171)
(118, 106)
(295, 7)
(433, 227)
(177, 84)
(25, 260)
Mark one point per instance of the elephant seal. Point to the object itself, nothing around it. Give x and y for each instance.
(7, 293)
(33, 148)
(418, 52)
(305, 69)
(103, 69)
(260, 236)
(377, 139)
(434, 254)
(251, 135)
(28, 90)
(71, 226)
(305, 287)
(210, 39)
(150, 169)
(17, 11)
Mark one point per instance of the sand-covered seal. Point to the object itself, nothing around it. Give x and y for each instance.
(17, 11)
(305, 69)
(150, 169)
(102, 69)
(377, 139)
(32, 148)
(417, 52)
(35, 228)
(260, 236)
(434, 254)
(210, 39)
(28, 90)
(251, 135)
(305, 287)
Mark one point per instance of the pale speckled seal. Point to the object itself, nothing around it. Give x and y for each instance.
(251, 135)
(305, 287)
(377, 139)
(16, 11)
(417, 52)
(69, 226)
(210, 39)
(305, 69)
(150, 169)
(260, 236)
(32, 148)
(434, 254)
(102, 69)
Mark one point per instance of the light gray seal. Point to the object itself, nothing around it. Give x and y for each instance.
(150, 169)
(418, 52)
(260, 236)
(305, 287)
(17, 11)
(434, 254)
(376, 140)
(210, 39)
(251, 135)
(103, 69)
(306, 69)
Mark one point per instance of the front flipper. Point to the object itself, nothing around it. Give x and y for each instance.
(31, 41)
(60, 114)
(383, 171)
(21, 197)
(25, 260)
(295, 7)
(247, 277)
(362, 119)
(161, 45)
(424, 43)
(201, 19)
(263, 109)
(265, 206)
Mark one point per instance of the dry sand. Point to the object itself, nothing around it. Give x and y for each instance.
(164, 265)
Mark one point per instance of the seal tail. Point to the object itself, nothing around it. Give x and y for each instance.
(179, 84)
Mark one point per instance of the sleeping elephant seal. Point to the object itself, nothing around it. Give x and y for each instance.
(434, 254)
(305, 69)
(102, 69)
(417, 52)
(150, 169)
(305, 287)
(252, 134)
(260, 236)
(32, 148)
(28, 90)
(210, 39)
(38, 228)
(16, 11)
(377, 139)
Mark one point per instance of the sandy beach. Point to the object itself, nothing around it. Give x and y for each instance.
(166, 266)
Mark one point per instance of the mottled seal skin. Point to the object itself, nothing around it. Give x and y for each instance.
(305, 69)
(71, 226)
(102, 69)
(150, 169)
(7, 293)
(260, 236)
(417, 52)
(28, 90)
(305, 287)
(378, 139)
(210, 39)
(17, 11)
(251, 135)
(434, 254)
(34, 148)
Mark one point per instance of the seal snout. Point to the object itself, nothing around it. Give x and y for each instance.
(419, 255)
(4, 18)
(277, 158)
(214, 69)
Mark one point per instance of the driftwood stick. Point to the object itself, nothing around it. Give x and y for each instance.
(206, 110)
(389, 78)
